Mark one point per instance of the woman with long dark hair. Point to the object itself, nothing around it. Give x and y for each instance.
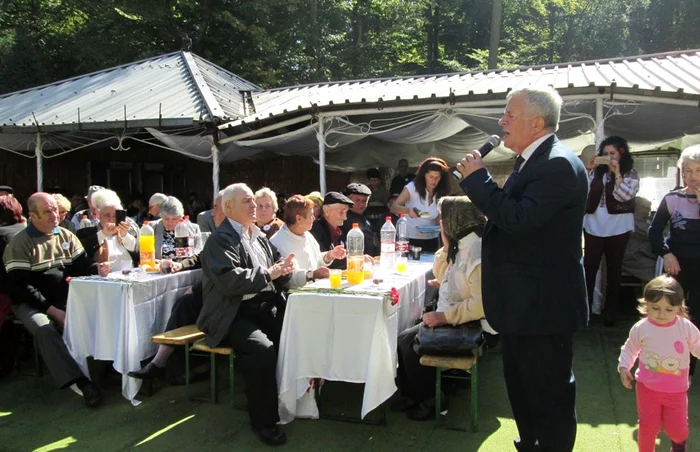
(609, 219)
(418, 202)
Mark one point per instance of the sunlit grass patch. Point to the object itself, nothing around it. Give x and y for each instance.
(169, 427)
(60, 444)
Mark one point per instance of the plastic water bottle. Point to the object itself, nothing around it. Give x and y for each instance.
(85, 222)
(389, 247)
(402, 236)
(182, 241)
(190, 241)
(147, 247)
(356, 255)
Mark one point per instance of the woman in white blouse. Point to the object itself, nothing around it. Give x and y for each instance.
(122, 237)
(418, 202)
(609, 219)
(294, 238)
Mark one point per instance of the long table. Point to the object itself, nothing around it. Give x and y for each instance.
(113, 319)
(346, 335)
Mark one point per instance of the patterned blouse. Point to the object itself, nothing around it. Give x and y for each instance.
(168, 248)
(683, 213)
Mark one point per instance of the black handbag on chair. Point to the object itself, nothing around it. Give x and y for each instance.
(460, 340)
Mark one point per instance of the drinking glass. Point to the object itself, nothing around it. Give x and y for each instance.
(336, 277)
(125, 267)
(401, 264)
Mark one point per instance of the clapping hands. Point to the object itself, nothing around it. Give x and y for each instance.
(282, 267)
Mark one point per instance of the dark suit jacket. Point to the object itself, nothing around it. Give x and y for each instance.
(323, 236)
(228, 274)
(532, 275)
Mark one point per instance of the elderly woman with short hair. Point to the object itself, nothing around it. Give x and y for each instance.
(122, 238)
(681, 250)
(171, 212)
(63, 211)
(265, 208)
(294, 238)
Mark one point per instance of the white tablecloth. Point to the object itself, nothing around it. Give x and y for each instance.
(113, 319)
(346, 337)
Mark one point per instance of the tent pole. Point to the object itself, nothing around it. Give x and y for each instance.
(321, 157)
(39, 164)
(215, 169)
(599, 122)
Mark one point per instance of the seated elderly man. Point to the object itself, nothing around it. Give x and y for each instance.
(91, 211)
(185, 312)
(171, 212)
(154, 203)
(37, 261)
(294, 238)
(360, 194)
(243, 281)
(327, 229)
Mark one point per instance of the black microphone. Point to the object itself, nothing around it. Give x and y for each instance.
(492, 142)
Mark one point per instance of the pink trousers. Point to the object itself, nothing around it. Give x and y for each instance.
(661, 409)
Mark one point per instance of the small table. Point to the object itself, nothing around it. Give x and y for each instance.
(346, 335)
(114, 318)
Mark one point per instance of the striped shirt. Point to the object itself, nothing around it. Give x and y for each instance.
(251, 243)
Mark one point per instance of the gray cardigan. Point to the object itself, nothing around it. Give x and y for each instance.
(159, 230)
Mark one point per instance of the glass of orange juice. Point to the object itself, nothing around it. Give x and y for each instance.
(336, 277)
(401, 264)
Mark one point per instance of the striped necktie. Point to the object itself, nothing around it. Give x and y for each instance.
(514, 175)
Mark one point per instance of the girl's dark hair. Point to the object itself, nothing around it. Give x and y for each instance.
(621, 145)
(10, 210)
(667, 287)
(432, 164)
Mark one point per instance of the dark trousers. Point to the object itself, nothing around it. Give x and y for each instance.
(614, 250)
(689, 277)
(415, 381)
(185, 312)
(542, 389)
(254, 335)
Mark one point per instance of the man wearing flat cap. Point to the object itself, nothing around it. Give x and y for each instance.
(327, 229)
(6, 190)
(359, 194)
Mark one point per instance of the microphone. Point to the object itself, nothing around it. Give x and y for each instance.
(492, 142)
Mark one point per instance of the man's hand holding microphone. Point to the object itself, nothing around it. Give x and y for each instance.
(473, 160)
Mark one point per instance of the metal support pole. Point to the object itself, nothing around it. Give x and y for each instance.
(321, 157)
(215, 170)
(599, 122)
(39, 164)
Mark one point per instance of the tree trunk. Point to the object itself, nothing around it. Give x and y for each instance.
(496, 19)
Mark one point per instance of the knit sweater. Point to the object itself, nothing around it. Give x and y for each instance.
(37, 265)
(683, 212)
(305, 249)
(663, 352)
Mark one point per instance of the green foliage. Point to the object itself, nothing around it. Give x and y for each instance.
(287, 42)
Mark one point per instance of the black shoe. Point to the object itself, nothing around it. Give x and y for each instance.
(678, 447)
(91, 394)
(271, 435)
(426, 410)
(402, 404)
(148, 372)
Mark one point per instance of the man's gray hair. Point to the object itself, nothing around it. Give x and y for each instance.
(545, 102)
(230, 194)
(689, 154)
(270, 194)
(104, 198)
(219, 195)
(172, 207)
(157, 199)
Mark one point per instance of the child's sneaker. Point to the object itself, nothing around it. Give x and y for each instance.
(678, 447)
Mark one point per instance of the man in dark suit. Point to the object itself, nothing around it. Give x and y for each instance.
(244, 304)
(327, 230)
(533, 281)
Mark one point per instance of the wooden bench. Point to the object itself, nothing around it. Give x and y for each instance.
(466, 363)
(201, 346)
(185, 335)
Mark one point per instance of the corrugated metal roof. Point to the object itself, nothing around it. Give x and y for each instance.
(173, 89)
(674, 74)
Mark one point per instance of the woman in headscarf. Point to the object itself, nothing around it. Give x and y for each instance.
(459, 302)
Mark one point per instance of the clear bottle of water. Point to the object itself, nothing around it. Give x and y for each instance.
(85, 222)
(402, 236)
(182, 240)
(388, 245)
(356, 255)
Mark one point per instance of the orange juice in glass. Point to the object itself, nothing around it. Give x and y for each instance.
(336, 277)
(355, 271)
(401, 264)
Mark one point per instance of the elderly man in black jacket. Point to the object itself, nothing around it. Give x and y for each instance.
(243, 307)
